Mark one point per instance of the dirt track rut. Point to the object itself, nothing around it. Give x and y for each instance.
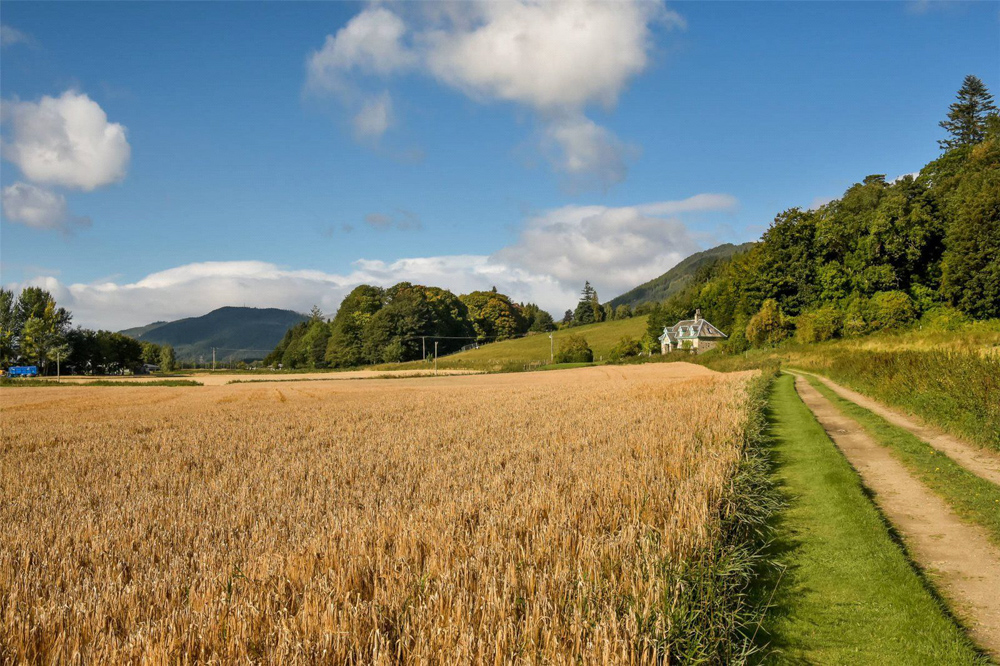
(957, 556)
(981, 462)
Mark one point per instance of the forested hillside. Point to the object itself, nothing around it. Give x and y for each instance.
(673, 281)
(881, 256)
(229, 328)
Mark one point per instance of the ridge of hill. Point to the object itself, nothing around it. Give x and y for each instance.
(663, 287)
(238, 332)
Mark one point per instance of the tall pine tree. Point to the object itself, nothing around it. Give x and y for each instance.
(966, 122)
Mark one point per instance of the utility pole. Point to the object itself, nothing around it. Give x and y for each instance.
(435, 357)
(552, 355)
(423, 343)
(213, 358)
(57, 367)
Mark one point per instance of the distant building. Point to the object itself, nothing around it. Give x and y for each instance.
(692, 335)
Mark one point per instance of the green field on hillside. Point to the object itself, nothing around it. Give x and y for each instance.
(534, 349)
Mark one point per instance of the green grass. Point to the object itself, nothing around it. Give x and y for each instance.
(534, 349)
(953, 383)
(973, 498)
(846, 593)
(38, 383)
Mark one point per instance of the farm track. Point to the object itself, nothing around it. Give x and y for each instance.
(957, 556)
(981, 462)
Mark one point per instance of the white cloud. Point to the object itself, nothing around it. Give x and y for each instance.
(195, 289)
(553, 57)
(10, 36)
(371, 43)
(586, 152)
(39, 208)
(65, 140)
(614, 248)
(546, 55)
(374, 117)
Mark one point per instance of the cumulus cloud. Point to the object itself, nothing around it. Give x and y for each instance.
(555, 58)
(39, 208)
(195, 289)
(10, 36)
(370, 43)
(614, 248)
(65, 140)
(547, 55)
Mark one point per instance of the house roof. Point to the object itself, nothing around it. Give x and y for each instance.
(689, 329)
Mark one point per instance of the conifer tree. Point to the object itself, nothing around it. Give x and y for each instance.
(966, 123)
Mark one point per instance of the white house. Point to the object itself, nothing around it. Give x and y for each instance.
(694, 335)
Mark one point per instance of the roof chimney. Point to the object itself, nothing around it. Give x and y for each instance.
(697, 315)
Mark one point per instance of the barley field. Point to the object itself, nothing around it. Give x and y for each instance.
(557, 517)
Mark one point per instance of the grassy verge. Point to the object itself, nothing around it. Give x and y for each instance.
(715, 612)
(958, 391)
(973, 498)
(846, 592)
(37, 383)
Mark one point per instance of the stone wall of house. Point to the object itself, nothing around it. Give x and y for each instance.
(705, 345)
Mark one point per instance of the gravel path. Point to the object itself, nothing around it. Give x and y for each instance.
(957, 556)
(981, 462)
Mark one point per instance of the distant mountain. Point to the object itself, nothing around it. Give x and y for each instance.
(243, 333)
(660, 289)
(139, 331)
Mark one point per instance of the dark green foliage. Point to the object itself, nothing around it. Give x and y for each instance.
(971, 262)
(966, 123)
(104, 353)
(397, 324)
(588, 310)
(32, 329)
(574, 349)
(877, 258)
(346, 329)
(537, 320)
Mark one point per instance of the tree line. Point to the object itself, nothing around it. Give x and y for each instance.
(34, 330)
(402, 323)
(881, 256)
(589, 310)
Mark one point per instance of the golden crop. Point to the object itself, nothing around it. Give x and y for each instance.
(481, 519)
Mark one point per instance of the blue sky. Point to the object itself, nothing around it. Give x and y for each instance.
(279, 154)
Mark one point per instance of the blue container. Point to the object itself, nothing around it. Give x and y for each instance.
(23, 371)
